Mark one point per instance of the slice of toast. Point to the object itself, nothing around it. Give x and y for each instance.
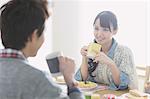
(135, 93)
(135, 97)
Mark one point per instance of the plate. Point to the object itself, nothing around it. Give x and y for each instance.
(88, 86)
(125, 96)
(59, 80)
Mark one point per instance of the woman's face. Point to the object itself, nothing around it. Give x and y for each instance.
(102, 34)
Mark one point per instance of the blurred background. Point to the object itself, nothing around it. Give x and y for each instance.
(71, 26)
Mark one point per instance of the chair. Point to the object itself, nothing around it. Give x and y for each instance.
(147, 74)
(143, 75)
(143, 72)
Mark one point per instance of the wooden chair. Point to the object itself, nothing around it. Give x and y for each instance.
(147, 74)
(144, 74)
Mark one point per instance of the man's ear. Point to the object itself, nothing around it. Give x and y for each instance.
(33, 35)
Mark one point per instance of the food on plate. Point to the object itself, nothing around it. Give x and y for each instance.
(135, 97)
(135, 94)
(88, 84)
(59, 80)
(109, 96)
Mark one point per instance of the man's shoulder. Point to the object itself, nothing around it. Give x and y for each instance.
(21, 67)
(29, 70)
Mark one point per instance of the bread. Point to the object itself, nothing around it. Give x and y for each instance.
(135, 93)
(135, 97)
(60, 79)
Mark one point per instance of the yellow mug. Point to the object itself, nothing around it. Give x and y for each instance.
(93, 50)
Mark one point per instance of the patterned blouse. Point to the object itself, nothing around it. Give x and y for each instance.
(123, 58)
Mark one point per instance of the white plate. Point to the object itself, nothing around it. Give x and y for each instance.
(59, 80)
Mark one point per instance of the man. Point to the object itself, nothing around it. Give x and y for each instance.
(22, 23)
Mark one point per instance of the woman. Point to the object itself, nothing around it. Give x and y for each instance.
(115, 65)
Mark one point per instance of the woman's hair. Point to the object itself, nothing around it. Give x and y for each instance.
(107, 20)
(19, 19)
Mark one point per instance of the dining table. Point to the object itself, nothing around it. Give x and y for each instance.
(99, 91)
(114, 92)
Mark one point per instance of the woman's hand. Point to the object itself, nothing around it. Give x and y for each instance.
(84, 64)
(102, 58)
(84, 51)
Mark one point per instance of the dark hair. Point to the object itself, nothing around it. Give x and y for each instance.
(107, 20)
(19, 19)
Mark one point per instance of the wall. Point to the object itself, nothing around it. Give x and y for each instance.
(148, 33)
(65, 25)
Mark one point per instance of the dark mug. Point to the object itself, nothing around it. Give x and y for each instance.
(53, 63)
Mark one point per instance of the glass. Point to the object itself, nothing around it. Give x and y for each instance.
(95, 96)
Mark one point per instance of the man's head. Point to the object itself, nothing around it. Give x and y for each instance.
(21, 20)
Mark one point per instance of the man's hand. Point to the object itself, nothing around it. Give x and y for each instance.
(67, 68)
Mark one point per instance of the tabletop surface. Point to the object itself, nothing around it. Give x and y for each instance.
(107, 91)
